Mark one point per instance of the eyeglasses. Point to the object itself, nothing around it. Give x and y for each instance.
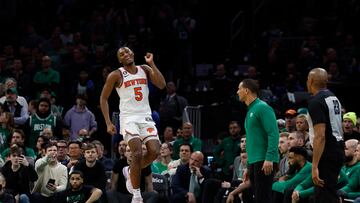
(61, 146)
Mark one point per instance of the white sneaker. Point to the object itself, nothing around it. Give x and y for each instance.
(126, 173)
(137, 200)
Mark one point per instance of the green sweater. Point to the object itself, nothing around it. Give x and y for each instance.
(231, 149)
(352, 189)
(262, 133)
(193, 141)
(280, 186)
(306, 187)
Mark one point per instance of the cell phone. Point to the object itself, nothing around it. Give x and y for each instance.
(52, 181)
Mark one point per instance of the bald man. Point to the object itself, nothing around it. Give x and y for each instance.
(326, 133)
(351, 169)
(181, 182)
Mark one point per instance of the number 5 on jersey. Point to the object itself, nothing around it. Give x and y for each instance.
(138, 93)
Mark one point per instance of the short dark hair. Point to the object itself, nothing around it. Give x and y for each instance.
(89, 146)
(21, 132)
(300, 151)
(75, 142)
(76, 172)
(49, 144)
(252, 85)
(187, 144)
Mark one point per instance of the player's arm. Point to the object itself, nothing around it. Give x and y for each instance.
(319, 143)
(153, 72)
(114, 78)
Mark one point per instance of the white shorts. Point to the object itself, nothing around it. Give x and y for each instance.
(136, 126)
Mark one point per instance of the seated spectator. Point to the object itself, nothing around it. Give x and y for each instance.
(169, 135)
(93, 170)
(297, 160)
(303, 126)
(47, 77)
(78, 191)
(185, 152)
(284, 153)
(188, 179)
(6, 127)
(53, 176)
(40, 151)
(79, 117)
(62, 155)
(55, 109)
(75, 154)
(19, 112)
(18, 138)
(297, 138)
(5, 196)
(106, 162)
(120, 182)
(187, 137)
(349, 123)
(161, 167)
(216, 189)
(290, 120)
(18, 174)
(351, 170)
(304, 190)
(121, 149)
(12, 83)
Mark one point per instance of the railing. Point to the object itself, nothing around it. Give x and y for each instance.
(192, 114)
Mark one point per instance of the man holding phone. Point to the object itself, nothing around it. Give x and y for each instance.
(53, 176)
(18, 174)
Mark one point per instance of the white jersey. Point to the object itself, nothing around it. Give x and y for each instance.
(133, 93)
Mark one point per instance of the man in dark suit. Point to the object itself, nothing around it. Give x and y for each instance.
(188, 179)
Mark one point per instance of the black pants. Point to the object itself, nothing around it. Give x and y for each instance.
(261, 184)
(328, 171)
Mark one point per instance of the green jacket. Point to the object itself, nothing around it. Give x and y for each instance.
(306, 187)
(352, 189)
(280, 186)
(231, 149)
(193, 141)
(262, 133)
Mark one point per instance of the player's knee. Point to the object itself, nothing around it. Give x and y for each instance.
(154, 152)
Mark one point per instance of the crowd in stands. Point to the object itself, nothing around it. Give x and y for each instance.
(53, 141)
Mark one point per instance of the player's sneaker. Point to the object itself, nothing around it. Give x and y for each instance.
(137, 200)
(126, 173)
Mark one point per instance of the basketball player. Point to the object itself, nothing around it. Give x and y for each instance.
(136, 124)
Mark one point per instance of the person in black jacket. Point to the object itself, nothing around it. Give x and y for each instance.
(188, 180)
(18, 174)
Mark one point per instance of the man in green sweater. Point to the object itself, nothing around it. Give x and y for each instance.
(301, 167)
(186, 138)
(352, 171)
(262, 138)
(227, 150)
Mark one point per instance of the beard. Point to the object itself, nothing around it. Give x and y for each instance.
(349, 158)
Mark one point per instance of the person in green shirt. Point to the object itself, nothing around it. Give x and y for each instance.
(161, 167)
(47, 77)
(18, 137)
(227, 150)
(301, 167)
(262, 138)
(187, 137)
(352, 171)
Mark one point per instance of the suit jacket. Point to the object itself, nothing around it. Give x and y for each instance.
(181, 180)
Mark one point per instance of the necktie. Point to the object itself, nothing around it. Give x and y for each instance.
(194, 186)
